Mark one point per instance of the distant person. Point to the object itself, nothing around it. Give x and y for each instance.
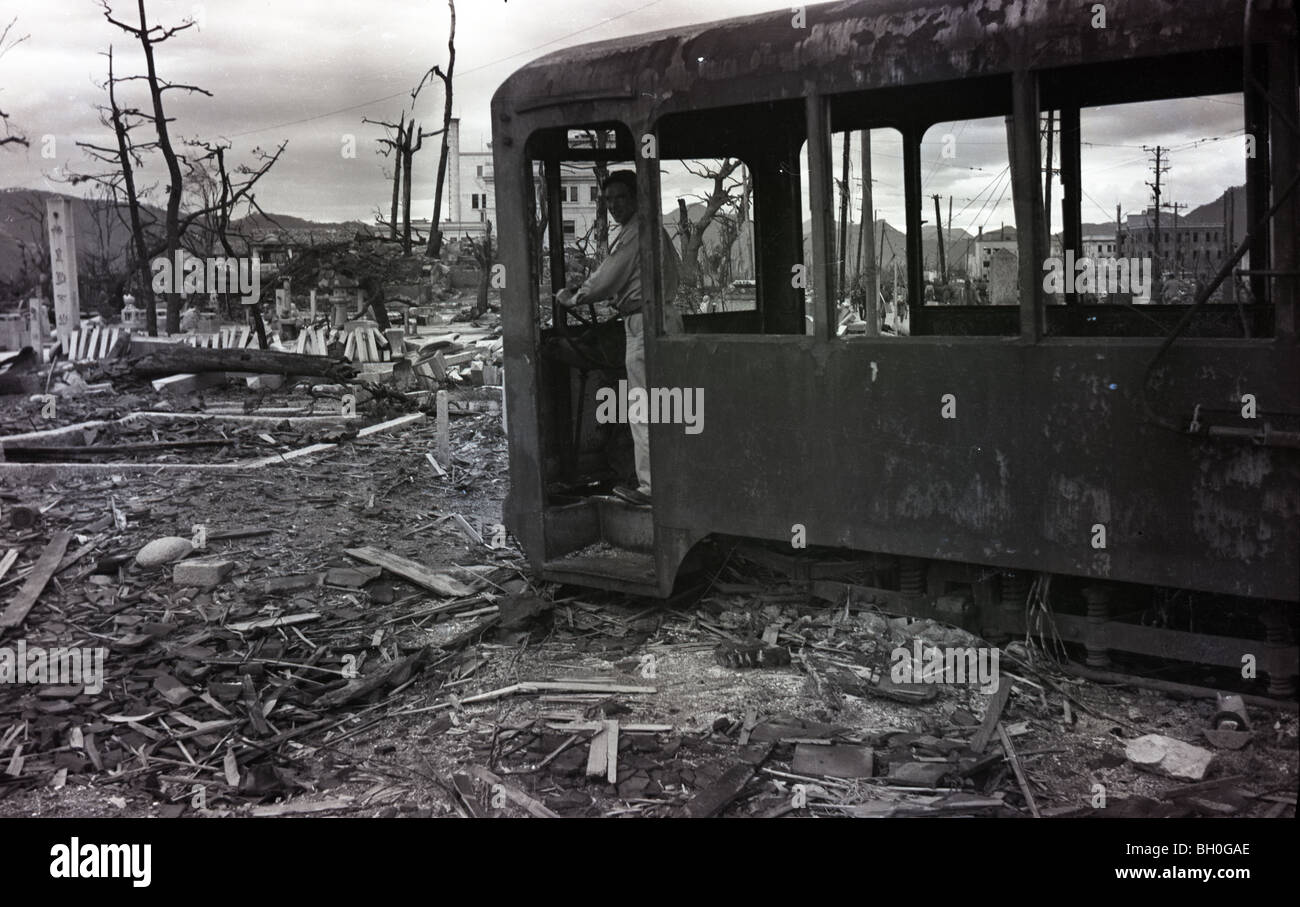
(618, 279)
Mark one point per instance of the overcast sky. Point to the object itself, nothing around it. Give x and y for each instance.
(308, 72)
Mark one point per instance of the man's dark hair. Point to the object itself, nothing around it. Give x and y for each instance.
(626, 178)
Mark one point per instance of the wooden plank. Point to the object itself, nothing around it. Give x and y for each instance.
(8, 561)
(512, 793)
(350, 347)
(1015, 767)
(244, 336)
(301, 345)
(437, 467)
(36, 581)
(410, 570)
(598, 754)
(467, 530)
(265, 623)
(254, 706)
(992, 715)
(443, 435)
(302, 807)
(611, 751)
(716, 797)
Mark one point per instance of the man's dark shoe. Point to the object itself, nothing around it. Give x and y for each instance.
(631, 495)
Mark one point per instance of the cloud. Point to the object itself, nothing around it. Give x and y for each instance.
(308, 73)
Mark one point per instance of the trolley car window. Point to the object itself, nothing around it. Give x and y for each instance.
(869, 236)
(729, 185)
(1162, 205)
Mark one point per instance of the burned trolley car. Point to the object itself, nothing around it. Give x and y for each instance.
(1100, 441)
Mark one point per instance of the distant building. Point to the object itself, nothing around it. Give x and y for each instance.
(983, 255)
(1099, 245)
(470, 194)
(1190, 250)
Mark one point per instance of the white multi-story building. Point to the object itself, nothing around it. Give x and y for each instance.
(470, 194)
(1099, 245)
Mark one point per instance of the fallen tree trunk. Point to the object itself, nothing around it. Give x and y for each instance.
(157, 360)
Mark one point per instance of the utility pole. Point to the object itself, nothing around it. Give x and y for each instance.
(949, 233)
(1161, 166)
(1047, 188)
(844, 215)
(870, 311)
(938, 225)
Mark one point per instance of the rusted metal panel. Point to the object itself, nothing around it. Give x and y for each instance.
(858, 45)
(1049, 442)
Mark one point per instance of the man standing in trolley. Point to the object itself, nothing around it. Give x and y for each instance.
(618, 279)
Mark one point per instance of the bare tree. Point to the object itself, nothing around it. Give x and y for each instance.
(7, 44)
(410, 139)
(435, 231)
(105, 274)
(221, 193)
(414, 142)
(390, 145)
(125, 156)
(149, 37)
(34, 251)
(726, 191)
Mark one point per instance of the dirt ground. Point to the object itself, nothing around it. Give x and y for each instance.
(363, 704)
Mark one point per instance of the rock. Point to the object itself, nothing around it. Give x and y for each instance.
(203, 572)
(1170, 757)
(165, 550)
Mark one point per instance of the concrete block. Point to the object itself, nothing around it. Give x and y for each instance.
(201, 571)
(1167, 756)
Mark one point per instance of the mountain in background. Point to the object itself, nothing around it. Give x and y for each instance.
(22, 212)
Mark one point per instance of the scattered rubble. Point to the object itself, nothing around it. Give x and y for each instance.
(333, 622)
